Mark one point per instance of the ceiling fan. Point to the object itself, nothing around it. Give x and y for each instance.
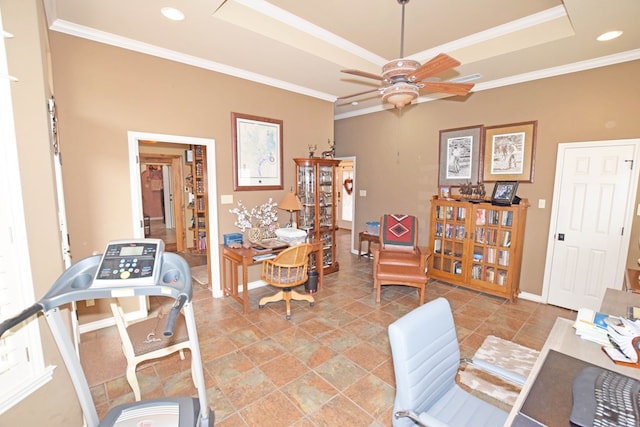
(404, 78)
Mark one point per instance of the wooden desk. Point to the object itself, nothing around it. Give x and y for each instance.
(237, 257)
(563, 339)
(370, 238)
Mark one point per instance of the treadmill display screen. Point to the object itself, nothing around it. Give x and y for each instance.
(131, 250)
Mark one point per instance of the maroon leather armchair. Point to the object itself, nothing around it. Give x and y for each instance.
(399, 260)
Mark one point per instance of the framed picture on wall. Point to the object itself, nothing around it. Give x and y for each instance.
(509, 152)
(459, 156)
(257, 152)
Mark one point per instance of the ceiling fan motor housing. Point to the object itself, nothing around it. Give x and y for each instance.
(399, 67)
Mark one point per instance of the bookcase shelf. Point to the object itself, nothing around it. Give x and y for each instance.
(477, 245)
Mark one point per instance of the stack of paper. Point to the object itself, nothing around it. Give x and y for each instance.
(592, 326)
(622, 336)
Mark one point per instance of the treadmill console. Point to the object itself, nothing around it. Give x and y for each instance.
(130, 263)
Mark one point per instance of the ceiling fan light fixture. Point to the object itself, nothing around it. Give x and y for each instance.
(400, 94)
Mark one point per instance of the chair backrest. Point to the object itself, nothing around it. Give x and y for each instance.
(289, 267)
(426, 357)
(399, 232)
(294, 255)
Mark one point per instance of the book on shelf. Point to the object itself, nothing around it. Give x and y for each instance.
(481, 217)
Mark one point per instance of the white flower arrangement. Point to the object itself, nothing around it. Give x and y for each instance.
(261, 216)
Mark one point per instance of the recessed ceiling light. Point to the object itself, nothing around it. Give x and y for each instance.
(609, 35)
(354, 103)
(172, 13)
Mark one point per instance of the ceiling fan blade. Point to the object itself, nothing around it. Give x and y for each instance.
(363, 74)
(435, 66)
(448, 87)
(357, 94)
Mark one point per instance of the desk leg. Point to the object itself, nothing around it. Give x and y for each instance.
(245, 288)
(223, 273)
(320, 267)
(359, 247)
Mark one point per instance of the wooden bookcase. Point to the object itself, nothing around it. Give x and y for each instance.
(316, 189)
(198, 205)
(477, 245)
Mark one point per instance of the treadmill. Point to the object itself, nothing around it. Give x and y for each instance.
(128, 268)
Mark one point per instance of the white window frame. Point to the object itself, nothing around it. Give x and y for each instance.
(21, 359)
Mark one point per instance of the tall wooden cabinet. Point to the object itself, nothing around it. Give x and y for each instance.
(316, 189)
(198, 200)
(477, 245)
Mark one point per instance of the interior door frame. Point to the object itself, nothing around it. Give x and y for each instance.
(134, 139)
(629, 208)
(176, 189)
(353, 204)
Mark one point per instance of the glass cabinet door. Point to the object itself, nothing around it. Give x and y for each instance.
(307, 196)
(449, 233)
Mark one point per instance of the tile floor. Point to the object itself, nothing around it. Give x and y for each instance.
(331, 364)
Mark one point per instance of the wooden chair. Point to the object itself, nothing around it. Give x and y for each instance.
(144, 340)
(286, 271)
(399, 260)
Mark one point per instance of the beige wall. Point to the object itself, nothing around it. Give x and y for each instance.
(54, 404)
(104, 91)
(397, 151)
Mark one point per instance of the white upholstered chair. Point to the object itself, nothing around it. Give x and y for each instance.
(144, 340)
(426, 358)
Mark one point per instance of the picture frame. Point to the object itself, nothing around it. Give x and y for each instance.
(459, 161)
(504, 192)
(257, 152)
(509, 152)
(445, 192)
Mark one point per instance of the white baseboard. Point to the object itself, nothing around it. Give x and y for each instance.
(531, 297)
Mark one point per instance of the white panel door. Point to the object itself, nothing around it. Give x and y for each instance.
(591, 206)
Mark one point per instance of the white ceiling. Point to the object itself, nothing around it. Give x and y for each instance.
(301, 45)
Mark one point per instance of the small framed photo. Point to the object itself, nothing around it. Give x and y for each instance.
(504, 192)
(445, 192)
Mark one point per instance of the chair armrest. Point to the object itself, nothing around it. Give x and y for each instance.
(505, 374)
(425, 253)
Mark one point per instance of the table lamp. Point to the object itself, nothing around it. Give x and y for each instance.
(290, 203)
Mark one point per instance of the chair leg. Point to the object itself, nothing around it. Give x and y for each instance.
(133, 381)
(279, 296)
(302, 297)
(377, 286)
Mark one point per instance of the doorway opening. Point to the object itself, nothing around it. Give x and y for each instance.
(138, 142)
(346, 192)
(161, 179)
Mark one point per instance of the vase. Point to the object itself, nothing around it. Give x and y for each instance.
(254, 234)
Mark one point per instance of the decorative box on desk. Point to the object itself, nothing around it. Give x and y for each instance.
(232, 238)
(291, 236)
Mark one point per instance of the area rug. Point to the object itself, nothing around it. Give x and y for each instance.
(505, 354)
(200, 274)
(102, 359)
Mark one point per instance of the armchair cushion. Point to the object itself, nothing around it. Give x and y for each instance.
(404, 258)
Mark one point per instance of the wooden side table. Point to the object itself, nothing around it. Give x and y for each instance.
(369, 238)
(631, 282)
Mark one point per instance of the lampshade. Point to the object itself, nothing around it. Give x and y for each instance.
(400, 94)
(290, 202)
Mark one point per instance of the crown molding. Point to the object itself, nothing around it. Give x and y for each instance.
(149, 49)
